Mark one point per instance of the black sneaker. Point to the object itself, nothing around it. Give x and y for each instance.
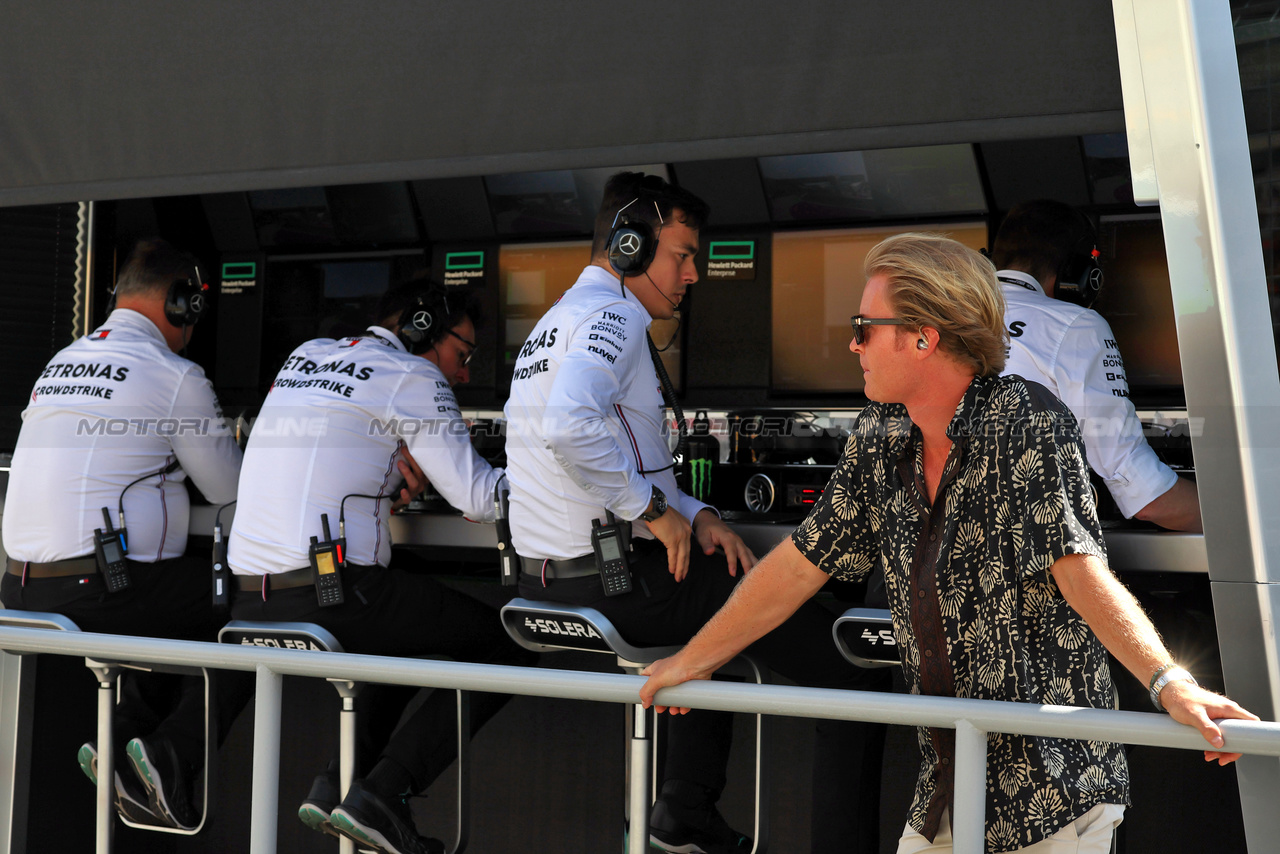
(685, 821)
(320, 802)
(386, 825)
(168, 791)
(130, 795)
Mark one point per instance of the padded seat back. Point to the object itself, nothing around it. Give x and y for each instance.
(864, 636)
(36, 620)
(304, 636)
(545, 626)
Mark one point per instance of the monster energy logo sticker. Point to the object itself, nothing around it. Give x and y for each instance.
(700, 474)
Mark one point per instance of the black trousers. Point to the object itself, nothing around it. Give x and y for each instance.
(660, 611)
(393, 612)
(168, 599)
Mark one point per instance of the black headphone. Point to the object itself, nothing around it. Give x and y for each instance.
(185, 301)
(1080, 278)
(420, 322)
(631, 243)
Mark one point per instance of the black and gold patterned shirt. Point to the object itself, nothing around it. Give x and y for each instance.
(976, 612)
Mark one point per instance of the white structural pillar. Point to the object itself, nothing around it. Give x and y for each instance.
(1189, 146)
(17, 693)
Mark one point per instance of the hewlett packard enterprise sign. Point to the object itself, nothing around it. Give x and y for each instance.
(462, 268)
(731, 259)
(238, 275)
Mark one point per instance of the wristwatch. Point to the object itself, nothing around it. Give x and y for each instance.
(659, 505)
(1162, 677)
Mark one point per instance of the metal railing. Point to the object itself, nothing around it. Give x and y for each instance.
(972, 719)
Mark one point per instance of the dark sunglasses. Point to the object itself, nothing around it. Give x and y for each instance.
(466, 360)
(861, 323)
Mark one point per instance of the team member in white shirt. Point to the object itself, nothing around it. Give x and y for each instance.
(117, 420)
(343, 421)
(585, 436)
(1044, 249)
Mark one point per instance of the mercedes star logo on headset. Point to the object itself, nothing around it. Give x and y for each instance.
(422, 319)
(197, 303)
(629, 244)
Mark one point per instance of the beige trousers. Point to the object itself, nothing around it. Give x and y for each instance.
(1089, 834)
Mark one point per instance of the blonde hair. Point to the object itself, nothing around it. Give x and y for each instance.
(936, 282)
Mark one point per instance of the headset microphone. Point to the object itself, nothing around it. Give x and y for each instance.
(674, 304)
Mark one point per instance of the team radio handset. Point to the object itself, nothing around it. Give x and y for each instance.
(221, 571)
(329, 556)
(326, 558)
(110, 545)
(508, 563)
(609, 543)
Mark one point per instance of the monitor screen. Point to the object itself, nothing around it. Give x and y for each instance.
(1106, 157)
(817, 287)
(532, 276)
(1136, 299)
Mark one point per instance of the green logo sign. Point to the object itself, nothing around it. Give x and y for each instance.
(240, 270)
(731, 250)
(700, 474)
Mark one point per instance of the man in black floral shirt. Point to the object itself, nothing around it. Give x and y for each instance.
(971, 492)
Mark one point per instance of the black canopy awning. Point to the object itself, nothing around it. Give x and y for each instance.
(152, 97)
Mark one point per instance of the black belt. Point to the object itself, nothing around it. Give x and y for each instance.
(57, 569)
(577, 567)
(304, 577)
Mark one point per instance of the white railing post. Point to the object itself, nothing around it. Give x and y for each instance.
(266, 762)
(641, 772)
(346, 758)
(969, 814)
(104, 823)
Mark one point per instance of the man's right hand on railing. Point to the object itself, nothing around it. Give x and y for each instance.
(1188, 703)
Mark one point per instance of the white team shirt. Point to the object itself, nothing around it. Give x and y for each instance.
(1071, 351)
(584, 418)
(332, 424)
(116, 405)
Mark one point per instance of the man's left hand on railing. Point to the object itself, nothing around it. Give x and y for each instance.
(1188, 703)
